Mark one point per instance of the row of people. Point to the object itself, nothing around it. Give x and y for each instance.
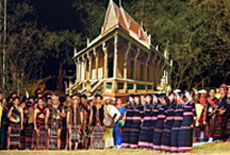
(213, 108)
(51, 122)
(161, 122)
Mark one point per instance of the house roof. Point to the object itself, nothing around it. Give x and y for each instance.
(117, 16)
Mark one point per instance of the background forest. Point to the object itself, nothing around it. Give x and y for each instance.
(41, 36)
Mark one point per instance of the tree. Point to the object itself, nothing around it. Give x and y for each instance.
(195, 32)
(60, 46)
(91, 14)
(24, 49)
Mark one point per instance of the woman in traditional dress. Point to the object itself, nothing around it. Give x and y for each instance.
(128, 120)
(185, 135)
(85, 108)
(211, 107)
(135, 125)
(15, 116)
(146, 126)
(117, 130)
(29, 126)
(166, 135)
(154, 113)
(40, 139)
(97, 114)
(159, 126)
(220, 115)
(178, 118)
(74, 123)
(54, 120)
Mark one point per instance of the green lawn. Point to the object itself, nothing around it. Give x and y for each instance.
(214, 149)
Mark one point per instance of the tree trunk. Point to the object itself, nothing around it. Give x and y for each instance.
(60, 75)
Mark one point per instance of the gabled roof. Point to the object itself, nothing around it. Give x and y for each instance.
(117, 16)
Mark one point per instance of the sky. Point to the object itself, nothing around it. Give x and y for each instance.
(57, 15)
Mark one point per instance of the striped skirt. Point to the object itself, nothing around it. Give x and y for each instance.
(218, 128)
(53, 139)
(97, 137)
(40, 139)
(125, 134)
(227, 128)
(174, 139)
(209, 129)
(144, 138)
(157, 139)
(75, 134)
(125, 138)
(185, 139)
(15, 133)
(166, 140)
(28, 135)
(134, 137)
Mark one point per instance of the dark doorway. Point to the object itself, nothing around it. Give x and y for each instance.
(142, 74)
(110, 67)
(132, 68)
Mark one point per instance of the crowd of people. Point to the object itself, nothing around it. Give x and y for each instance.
(168, 122)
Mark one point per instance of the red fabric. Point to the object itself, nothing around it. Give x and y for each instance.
(202, 101)
(218, 127)
(121, 129)
(201, 120)
(211, 102)
(207, 131)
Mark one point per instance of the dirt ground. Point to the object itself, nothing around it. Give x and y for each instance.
(210, 149)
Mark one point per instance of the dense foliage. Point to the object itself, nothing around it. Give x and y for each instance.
(195, 32)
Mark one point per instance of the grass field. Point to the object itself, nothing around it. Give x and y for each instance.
(212, 149)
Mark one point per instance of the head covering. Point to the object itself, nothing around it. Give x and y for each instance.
(53, 97)
(177, 91)
(202, 91)
(107, 98)
(91, 98)
(76, 97)
(224, 86)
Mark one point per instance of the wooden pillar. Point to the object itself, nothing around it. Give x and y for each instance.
(96, 61)
(90, 65)
(126, 67)
(77, 70)
(170, 72)
(146, 67)
(154, 62)
(135, 62)
(161, 62)
(105, 50)
(83, 68)
(115, 56)
(126, 60)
